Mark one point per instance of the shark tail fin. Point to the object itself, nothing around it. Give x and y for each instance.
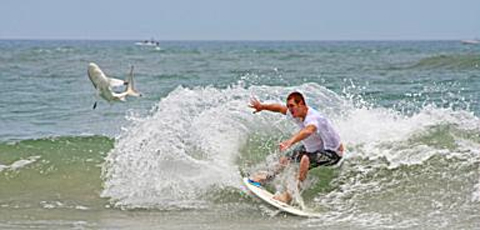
(131, 91)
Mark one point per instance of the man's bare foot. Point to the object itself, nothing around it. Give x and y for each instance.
(284, 197)
(259, 177)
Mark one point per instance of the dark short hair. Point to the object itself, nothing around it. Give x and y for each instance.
(297, 97)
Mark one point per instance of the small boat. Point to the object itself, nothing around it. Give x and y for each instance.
(471, 42)
(150, 42)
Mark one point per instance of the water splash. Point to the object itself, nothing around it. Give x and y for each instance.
(203, 139)
(187, 145)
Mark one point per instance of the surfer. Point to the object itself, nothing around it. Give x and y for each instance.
(320, 142)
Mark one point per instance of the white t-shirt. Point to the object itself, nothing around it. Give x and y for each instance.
(325, 138)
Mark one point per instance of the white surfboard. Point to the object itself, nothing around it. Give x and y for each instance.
(267, 196)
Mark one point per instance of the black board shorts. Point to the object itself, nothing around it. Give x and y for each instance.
(318, 158)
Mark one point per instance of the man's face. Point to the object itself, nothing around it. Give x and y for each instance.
(297, 110)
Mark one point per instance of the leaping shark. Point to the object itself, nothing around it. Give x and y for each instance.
(104, 85)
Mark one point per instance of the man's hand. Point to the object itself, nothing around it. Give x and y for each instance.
(255, 104)
(286, 145)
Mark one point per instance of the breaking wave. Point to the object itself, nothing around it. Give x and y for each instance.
(199, 141)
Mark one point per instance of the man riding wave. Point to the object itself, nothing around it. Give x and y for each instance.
(320, 142)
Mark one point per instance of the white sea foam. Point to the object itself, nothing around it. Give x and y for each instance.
(380, 132)
(384, 146)
(20, 163)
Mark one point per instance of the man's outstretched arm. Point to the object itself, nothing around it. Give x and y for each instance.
(258, 106)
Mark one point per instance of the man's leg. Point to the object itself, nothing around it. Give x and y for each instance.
(264, 176)
(286, 197)
(303, 169)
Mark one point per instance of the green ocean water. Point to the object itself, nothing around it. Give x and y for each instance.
(173, 159)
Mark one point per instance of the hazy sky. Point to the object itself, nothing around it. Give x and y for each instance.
(241, 19)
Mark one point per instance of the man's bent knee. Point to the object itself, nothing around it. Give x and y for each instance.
(304, 165)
